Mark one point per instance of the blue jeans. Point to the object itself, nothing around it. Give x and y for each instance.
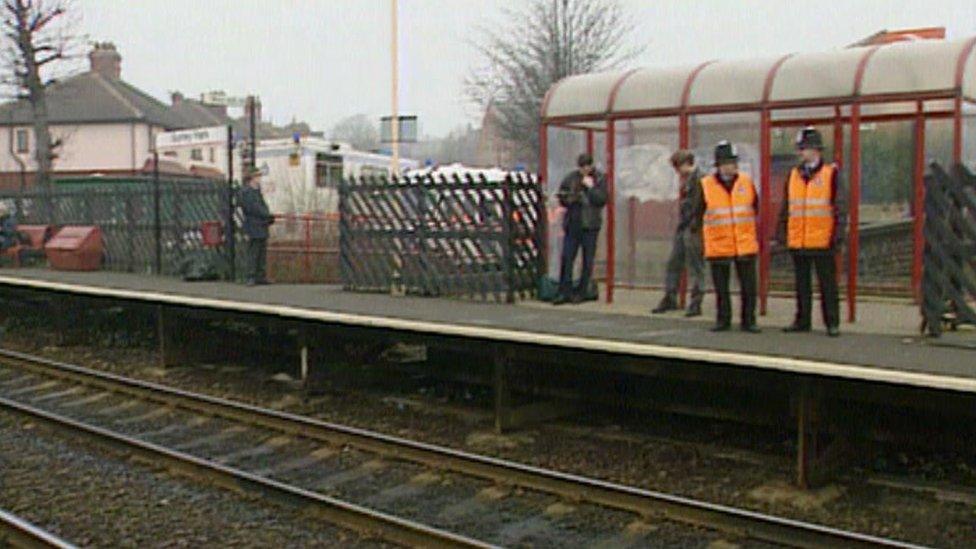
(572, 242)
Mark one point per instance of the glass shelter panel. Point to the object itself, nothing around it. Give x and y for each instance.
(647, 199)
(564, 145)
(887, 207)
(969, 136)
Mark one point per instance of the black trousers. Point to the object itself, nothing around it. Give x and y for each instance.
(827, 279)
(257, 259)
(572, 242)
(745, 269)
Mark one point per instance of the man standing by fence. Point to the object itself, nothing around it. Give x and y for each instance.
(686, 249)
(812, 222)
(583, 193)
(257, 219)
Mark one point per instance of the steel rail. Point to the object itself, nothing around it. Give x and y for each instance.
(644, 502)
(18, 533)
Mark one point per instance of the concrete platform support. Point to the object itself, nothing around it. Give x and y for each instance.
(508, 416)
(819, 454)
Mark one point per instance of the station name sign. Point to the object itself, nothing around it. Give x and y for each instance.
(197, 136)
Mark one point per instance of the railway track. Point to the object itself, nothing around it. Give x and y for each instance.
(308, 462)
(18, 533)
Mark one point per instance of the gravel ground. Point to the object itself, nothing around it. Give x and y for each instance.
(720, 462)
(95, 498)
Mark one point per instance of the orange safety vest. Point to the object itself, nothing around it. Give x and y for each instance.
(729, 227)
(811, 207)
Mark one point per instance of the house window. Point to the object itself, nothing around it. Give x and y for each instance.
(212, 155)
(196, 154)
(328, 170)
(23, 141)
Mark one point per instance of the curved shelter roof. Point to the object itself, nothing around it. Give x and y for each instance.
(903, 70)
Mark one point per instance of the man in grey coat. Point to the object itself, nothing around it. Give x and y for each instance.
(257, 219)
(583, 193)
(686, 250)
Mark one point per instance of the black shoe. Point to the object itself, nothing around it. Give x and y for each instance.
(796, 328)
(576, 299)
(667, 304)
(693, 311)
(751, 328)
(263, 282)
(560, 300)
(720, 328)
(833, 331)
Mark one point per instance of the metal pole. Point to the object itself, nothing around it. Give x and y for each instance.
(395, 119)
(957, 132)
(918, 219)
(765, 207)
(542, 229)
(252, 130)
(839, 160)
(229, 222)
(157, 221)
(611, 209)
(855, 213)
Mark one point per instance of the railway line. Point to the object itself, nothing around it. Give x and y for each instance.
(20, 534)
(401, 490)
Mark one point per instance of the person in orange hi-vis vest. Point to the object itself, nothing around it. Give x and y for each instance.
(729, 210)
(811, 224)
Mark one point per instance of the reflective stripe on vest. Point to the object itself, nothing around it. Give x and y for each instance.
(811, 208)
(729, 224)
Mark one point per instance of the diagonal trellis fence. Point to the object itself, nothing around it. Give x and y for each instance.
(949, 268)
(442, 236)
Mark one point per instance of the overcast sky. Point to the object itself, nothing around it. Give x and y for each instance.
(320, 60)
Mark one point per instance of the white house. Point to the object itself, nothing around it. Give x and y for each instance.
(106, 125)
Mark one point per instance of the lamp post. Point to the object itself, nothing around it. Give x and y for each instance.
(395, 118)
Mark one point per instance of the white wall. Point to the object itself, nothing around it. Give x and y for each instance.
(86, 147)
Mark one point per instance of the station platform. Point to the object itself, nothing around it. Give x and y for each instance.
(887, 353)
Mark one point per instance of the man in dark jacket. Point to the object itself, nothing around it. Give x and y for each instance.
(583, 193)
(686, 250)
(811, 225)
(257, 219)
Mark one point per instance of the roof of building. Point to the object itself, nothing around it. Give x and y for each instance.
(899, 69)
(195, 114)
(91, 97)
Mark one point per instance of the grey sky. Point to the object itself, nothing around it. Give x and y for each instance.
(321, 60)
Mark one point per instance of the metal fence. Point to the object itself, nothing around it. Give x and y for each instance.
(949, 268)
(146, 228)
(443, 236)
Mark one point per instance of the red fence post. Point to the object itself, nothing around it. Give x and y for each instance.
(611, 208)
(855, 213)
(632, 239)
(308, 248)
(766, 206)
(918, 219)
(839, 160)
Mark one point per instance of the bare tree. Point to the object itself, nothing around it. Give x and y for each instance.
(38, 38)
(357, 130)
(543, 42)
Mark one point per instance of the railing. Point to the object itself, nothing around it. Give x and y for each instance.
(442, 236)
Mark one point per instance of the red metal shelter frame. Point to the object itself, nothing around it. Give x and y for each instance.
(591, 123)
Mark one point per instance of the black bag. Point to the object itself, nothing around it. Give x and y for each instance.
(199, 267)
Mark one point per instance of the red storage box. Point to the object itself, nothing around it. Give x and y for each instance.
(75, 249)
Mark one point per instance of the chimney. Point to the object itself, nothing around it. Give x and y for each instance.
(176, 98)
(105, 60)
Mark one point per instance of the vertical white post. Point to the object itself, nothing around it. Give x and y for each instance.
(395, 119)
(304, 362)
